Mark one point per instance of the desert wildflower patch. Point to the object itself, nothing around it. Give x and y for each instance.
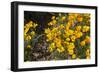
(57, 36)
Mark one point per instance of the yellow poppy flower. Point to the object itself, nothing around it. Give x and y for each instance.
(35, 25)
(32, 33)
(87, 39)
(71, 17)
(78, 28)
(28, 37)
(26, 30)
(54, 30)
(25, 35)
(61, 49)
(73, 56)
(51, 47)
(67, 28)
(28, 46)
(50, 23)
(58, 42)
(80, 18)
(82, 43)
(54, 22)
(70, 52)
(87, 57)
(49, 36)
(66, 43)
(73, 38)
(67, 39)
(61, 26)
(69, 32)
(63, 18)
(71, 46)
(76, 14)
(53, 17)
(85, 28)
(87, 52)
(78, 34)
(47, 30)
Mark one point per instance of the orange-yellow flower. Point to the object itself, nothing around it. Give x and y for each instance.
(47, 30)
(67, 39)
(87, 52)
(85, 28)
(73, 38)
(71, 46)
(78, 28)
(82, 43)
(28, 46)
(87, 57)
(69, 32)
(32, 33)
(61, 26)
(51, 47)
(70, 52)
(28, 38)
(87, 39)
(26, 30)
(57, 42)
(60, 49)
(71, 17)
(54, 21)
(73, 56)
(80, 18)
(63, 18)
(53, 17)
(49, 37)
(78, 34)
